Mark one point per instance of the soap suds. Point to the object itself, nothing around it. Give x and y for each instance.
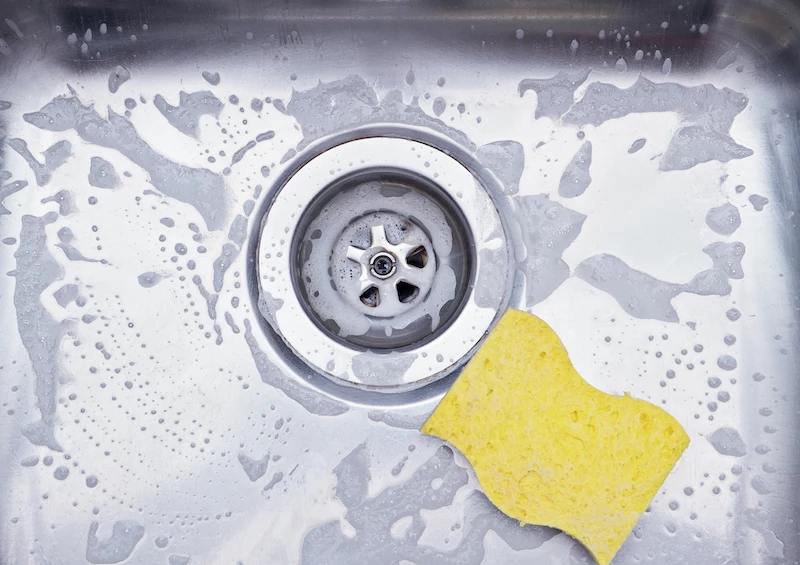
(65, 201)
(185, 117)
(211, 78)
(693, 145)
(276, 478)
(554, 95)
(727, 257)
(373, 518)
(760, 485)
(54, 156)
(491, 277)
(289, 155)
(637, 145)
(65, 238)
(39, 169)
(506, 159)
(724, 219)
(756, 519)
(149, 279)
(547, 228)
(231, 323)
(254, 468)
(66, 294)
(57, 154)
(643, 296)
(758, 202)
(200, 188)
(576, 177)
(124, 537)
(356, 104)
(102, 174)
(727, 441)
(313, 401)
(728, 57)
(733, 314)
(402, 421)
(7, 190)
(708, 111)
(210, 298)
(373, 369)
(240, 153)
(41, 335)
(727, 362)
(117, 78)
(268, 305)
(237, 233)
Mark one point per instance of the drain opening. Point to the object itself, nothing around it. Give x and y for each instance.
(384, 256)
(362, 324)
(418, 257)
(406, 292)
(371, 297)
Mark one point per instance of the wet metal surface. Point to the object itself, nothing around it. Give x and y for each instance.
(640, 159)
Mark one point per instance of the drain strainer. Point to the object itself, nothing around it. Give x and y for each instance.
(394, 275)
(371, 258)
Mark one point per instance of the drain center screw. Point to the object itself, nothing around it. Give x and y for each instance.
(383, 265)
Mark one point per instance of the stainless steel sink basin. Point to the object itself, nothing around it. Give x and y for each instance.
(174, 391)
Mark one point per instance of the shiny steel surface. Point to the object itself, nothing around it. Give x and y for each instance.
(627, 171)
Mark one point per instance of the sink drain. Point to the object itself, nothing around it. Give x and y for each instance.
(393, 274)
(370, 258)
(385, 258)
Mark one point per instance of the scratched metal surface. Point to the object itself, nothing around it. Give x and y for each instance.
(643, 157)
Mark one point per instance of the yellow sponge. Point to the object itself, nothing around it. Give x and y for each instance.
(550, 449)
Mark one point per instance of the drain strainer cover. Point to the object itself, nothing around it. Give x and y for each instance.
(382, 263)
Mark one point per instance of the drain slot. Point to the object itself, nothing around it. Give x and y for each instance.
(371, 297)
(418, 258)
(406, 292)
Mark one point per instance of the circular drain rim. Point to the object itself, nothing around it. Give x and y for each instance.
(358, 195)
(396, 371)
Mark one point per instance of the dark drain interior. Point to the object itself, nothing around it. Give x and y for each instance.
(406, 292)
(418, 257)
(371, 297)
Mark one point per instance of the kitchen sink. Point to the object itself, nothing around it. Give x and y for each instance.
(247, 246)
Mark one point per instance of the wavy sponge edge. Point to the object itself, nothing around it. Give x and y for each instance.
(550, 449)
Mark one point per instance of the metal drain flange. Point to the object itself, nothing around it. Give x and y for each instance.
(383, 262)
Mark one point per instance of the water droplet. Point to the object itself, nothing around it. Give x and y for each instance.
(726, 363)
